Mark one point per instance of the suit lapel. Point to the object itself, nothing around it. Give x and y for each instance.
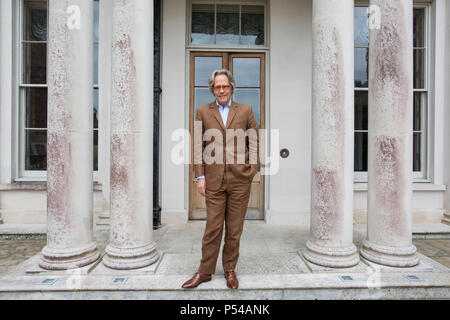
(215, 111)
(232, 113)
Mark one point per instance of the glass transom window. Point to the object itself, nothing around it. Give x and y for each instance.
(227, 24)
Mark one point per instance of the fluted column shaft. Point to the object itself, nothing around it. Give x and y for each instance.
(389, 233)
(70, 136)
(331, 236)
(131, 244)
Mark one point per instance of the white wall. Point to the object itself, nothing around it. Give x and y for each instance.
(447, 107)
(290, 109)
(173, 110)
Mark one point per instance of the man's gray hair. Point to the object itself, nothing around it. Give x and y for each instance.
(218, 73)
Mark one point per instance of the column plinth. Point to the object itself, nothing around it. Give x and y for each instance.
(389, 219)
(68, 258)
(331, 236)
(131, 167)
(69, 138)
(334, 257)
(130, 258)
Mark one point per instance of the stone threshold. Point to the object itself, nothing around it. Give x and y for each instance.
(428, 280)
(38, 231)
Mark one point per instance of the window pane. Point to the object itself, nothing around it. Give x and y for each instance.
(202, 97)
(419, 27)
(251, 97)
(252, 25)
(36, 107)
(96, 20)
(361, 110)
(202, 24)
(417, 111)
(204, 67)
(227, 24)
(360, 151)
(34, 63)
(95, 63)
(361, 27)
(35, 150)
(96, 115)
(361, 67)
(247, 72)
(419, 69)
(35, 20)
(416, 151)
(95, 150)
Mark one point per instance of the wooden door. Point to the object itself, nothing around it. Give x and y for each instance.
(249, 72)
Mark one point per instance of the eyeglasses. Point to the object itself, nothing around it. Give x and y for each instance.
(224, 88)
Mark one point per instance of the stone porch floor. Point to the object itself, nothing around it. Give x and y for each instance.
(270, 267)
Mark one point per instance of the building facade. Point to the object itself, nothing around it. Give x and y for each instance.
(332, 115)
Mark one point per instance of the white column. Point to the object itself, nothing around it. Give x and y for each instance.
(331, 236)
(6, 86)
(131, 244)
(105, 30)
(446, 218)
(389, 234)
(70, 136)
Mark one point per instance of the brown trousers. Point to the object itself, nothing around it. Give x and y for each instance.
(227, 204)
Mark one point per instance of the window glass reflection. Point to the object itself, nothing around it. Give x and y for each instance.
(252, 25)
(251, 97)
(361, 27)
(36, 108)
(247, 72)
(360, 157)
(227, 24)
(361, 67)
(361, 110)
(419, 27)
(202, 97)
(36, 150)
(204, 67)
(202, 24)
(34, 63)
(35, 20)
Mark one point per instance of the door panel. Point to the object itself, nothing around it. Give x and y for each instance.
(249, 73)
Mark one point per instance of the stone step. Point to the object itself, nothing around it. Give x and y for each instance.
(162, 280)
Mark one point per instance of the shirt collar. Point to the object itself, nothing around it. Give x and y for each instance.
(227, 106)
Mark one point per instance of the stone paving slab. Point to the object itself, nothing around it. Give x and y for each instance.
(263, 272)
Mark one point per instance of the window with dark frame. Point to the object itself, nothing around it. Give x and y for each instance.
(362, 83)
(227, 24)
(33, 86)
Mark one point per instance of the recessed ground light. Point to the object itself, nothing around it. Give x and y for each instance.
(412, 277)
(49, 281)
(346, 278)
(119, 280)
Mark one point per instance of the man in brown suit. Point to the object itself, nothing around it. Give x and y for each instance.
(225, 162)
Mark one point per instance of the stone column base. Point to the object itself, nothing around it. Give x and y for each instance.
(390, 256)
(334, 257)
(130, 258)
(65, 259)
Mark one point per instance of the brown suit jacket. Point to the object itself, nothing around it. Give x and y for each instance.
(242, 159)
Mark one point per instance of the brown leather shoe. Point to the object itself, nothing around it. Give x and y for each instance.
(232, 281)
(196, 280)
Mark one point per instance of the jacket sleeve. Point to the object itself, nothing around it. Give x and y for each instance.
(199, 146)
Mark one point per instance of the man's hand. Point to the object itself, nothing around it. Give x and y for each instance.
(201, 186)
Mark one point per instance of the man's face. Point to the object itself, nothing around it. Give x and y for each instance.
(222, 89)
